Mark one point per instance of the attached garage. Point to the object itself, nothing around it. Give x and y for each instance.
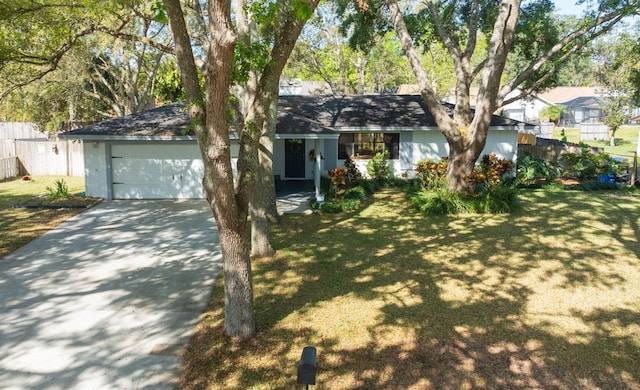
(156, 172)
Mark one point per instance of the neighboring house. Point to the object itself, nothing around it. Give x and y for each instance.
(147, 155)
(584, 109)
(526, 109)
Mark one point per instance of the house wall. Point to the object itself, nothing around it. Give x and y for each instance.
(431, 145)
(524, 110)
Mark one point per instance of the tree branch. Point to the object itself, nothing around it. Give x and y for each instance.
(52, 61)
(609, 21)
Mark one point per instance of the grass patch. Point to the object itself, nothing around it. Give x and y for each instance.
(26, 211)
(545, 297)
(626, 140)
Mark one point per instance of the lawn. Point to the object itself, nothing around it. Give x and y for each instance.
(626, 140)
(548, 297)
(18, 226)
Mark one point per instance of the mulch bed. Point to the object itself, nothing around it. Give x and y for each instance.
(71, 202)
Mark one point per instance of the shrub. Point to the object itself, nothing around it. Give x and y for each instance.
(353, 173)
(357, 192)
(497, 199)
(347, 200)
(585, 165)
(60, 190)
(440, 201)
(330, 207)
(338, 176)
(379, 169)
(530, 169)
(491, 171)
(431, 174)
(369, 186)
(596, 185)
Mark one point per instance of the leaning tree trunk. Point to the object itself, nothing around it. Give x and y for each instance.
(263, 199)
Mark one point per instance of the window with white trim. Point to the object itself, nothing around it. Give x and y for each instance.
(366, 145)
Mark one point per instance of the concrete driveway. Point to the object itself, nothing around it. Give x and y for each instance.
(108, 299)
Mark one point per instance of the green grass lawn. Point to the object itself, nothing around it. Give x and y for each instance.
(548, 297)
(18, 226)
(626, 140)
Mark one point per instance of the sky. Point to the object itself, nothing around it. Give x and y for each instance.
(568, 7)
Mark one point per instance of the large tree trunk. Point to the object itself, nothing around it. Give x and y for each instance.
(263, 200)
(228, 203)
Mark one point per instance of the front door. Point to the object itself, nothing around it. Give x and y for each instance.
(294, 158)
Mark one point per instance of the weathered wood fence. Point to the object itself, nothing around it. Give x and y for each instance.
(594, 132)
(20, 130)
(550, 149)
(26, 151)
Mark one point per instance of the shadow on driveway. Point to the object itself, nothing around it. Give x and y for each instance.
(108, 298)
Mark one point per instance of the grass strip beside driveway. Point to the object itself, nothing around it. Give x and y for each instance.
(18, 226)
(548, 297)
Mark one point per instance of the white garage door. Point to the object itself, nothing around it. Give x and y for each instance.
(156, 171)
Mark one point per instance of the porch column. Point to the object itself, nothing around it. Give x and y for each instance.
(318, 163)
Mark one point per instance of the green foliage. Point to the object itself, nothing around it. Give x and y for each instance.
(431, 174)
(357, 192)
(585, 165)
(497, 199)
(490, 193)
(440, 201)
(379, 169)
(615, 110)
(353, 173)
(59, 190)
(530, 170)
(370, 187)
(330, 207)
(596, 185)
(491, 171)
(347, 200)
(552, 112)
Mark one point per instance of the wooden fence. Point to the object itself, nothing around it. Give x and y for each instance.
(550, 149)
(41, 158)
(8, 167)
(593, 132)
(50, 158)
(19, 130)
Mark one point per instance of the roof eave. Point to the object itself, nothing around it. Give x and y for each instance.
(99, 137)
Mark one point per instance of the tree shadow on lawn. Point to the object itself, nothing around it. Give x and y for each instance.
(396, 300)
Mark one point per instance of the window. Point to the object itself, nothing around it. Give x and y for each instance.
(366, 145)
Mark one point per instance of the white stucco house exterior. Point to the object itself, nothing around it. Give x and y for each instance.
(151, 154)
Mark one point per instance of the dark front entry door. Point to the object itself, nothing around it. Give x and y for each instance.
(294, 158)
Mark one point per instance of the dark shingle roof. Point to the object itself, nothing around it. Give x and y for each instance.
(169, 120)
(371, 111)
(585, 101)
(297, 115)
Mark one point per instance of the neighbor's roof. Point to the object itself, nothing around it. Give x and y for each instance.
(585, 101)
(373, 112)
(564, 94)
